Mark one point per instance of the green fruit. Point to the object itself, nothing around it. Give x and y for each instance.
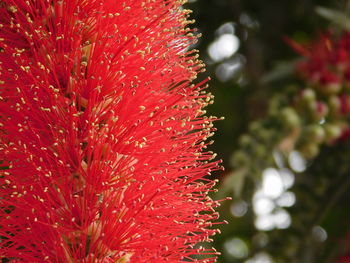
(239, 159)
(245, 140)
(315, 133)
(308, 95)
(290, 117)
(333, 131)
(334, 104)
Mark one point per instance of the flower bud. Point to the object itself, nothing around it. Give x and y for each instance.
(346, 77)
(344, 104)
(260, 150)
(308, 95)
(315, 133)
(245, 140)
(332, 131)
(290, 117)
(340, 58)
(334, 105)
(319, 110)
(329, 83)
(309, 150)
(239, 159)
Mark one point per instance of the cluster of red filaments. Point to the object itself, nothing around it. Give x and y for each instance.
(102, 134)
(327, 71)
(328, 63)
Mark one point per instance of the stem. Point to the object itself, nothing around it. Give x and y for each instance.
(334, 198)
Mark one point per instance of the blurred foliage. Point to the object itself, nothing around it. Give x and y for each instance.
(262, 105)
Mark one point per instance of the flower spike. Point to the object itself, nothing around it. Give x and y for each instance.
(102, 134)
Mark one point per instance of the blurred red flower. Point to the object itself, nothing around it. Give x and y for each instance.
(344, 259)
(102, 133)
(326, 70)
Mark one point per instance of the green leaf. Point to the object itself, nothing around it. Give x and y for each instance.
(335, 16)
(234, 182)
(280, 71)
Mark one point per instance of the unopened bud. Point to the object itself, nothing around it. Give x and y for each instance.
(310, 150)
(308, 95)
(315, 133)
(332, 132)
(239, 158)
(334, 105)
(290, 117)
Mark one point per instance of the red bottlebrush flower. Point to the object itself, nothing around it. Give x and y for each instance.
(347, 74)
(328, 78)
(329, 82)
(344, 104)
(326, 65)
(344, 259)
(339, 57)
(102, 134)
(321, 109)
(345, 135)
